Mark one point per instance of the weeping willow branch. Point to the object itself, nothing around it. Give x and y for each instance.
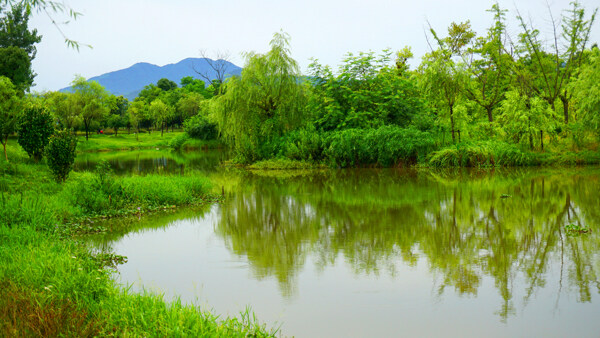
(51, 8)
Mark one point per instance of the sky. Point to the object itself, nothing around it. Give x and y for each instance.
(125, 32)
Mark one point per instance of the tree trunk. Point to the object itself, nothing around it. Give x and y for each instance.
(565, 103)
(452, 122)
(542, 139)
(4, 145)
(86, 130)
(489, 114)
(531, 141)
(162, 128)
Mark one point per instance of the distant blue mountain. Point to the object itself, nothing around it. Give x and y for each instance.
(130, 81)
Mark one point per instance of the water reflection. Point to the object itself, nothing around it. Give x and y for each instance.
(468, 225)
(152, 161)
(362, 252)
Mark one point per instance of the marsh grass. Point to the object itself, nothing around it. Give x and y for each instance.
(53, 287)
(25, 312)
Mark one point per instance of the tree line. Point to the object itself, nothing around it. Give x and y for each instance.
(493, 93)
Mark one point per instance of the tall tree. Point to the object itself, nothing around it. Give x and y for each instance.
(17, 47)
(137, 111)
(117, 116)
(440, 81)
(14, 31)
(92, 101)
(488, 66)
(442, 77)
(16, 65)
(189, 104)
(160, 112)
(64, 107)
(552, 70)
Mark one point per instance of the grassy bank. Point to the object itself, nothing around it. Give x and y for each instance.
(500, 154)
(54, 286)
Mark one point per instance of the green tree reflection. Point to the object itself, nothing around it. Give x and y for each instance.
(460, 222)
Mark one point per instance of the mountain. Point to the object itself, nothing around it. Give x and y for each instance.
(130, 81)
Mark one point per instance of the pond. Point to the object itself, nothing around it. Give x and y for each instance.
(383, 252)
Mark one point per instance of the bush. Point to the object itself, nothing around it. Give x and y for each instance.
(178, 141)
(61, 154)
(35, 129)
(199, 127)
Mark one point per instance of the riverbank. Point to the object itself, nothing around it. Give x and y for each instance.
(356, 152)
(53, 285)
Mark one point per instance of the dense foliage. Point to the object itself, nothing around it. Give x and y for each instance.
(60, 153)
(35, 129)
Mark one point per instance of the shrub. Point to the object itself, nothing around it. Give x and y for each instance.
(35, 129)
(199, 127)
(61, 154)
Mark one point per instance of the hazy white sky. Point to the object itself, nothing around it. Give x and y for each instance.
(124, 32)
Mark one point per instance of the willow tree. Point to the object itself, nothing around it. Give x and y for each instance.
(261, 104)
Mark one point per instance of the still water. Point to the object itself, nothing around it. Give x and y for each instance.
(383, 252)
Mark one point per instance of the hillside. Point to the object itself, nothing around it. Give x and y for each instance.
(130, 81)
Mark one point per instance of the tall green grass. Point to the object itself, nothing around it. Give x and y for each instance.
(386, 146)
(88, 195)
(482, 154)
(52, 285)
(497, 153)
